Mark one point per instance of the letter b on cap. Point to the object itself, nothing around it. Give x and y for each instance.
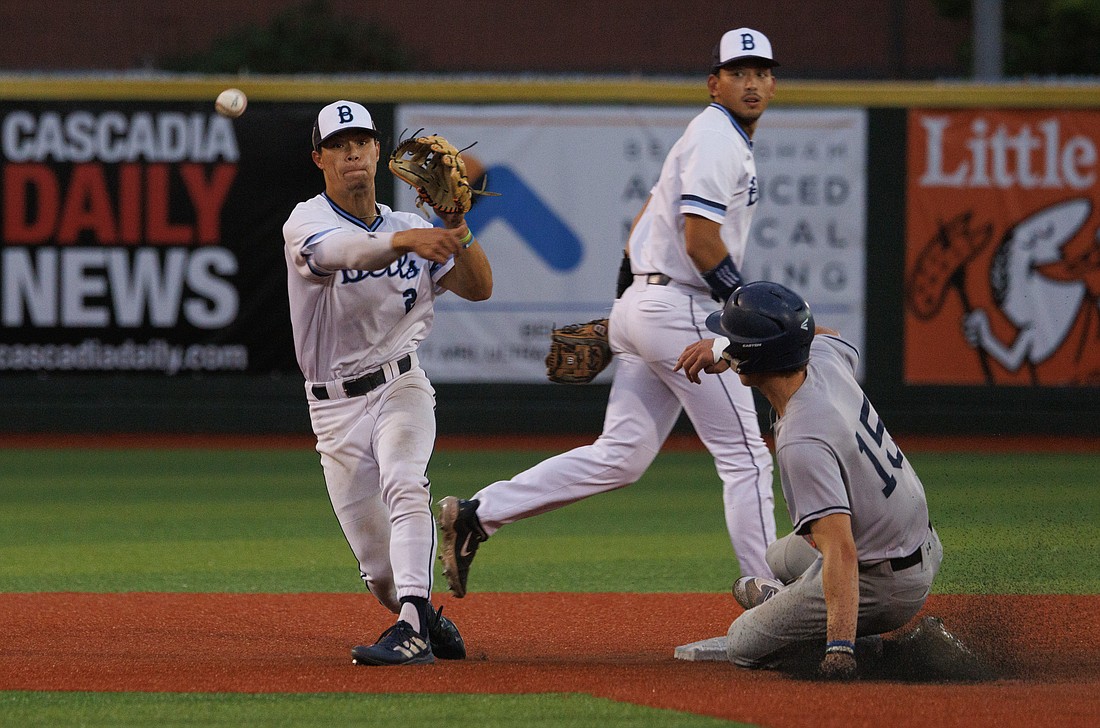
(748, 43)
(344, 114)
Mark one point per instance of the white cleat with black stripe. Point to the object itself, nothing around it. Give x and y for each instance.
(398, 645)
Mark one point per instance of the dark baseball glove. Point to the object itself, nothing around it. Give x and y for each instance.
(433, 167)
(578, 352)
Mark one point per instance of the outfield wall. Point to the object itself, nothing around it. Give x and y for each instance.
(951, 231)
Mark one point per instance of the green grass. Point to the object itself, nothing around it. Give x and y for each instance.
(259, 521)
(211, 710)
(76, 520)
(1016, 524)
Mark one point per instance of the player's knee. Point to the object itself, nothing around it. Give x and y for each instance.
(629, 460)
(788, 557)
(406, 495)
(735, 645)
(741, 648)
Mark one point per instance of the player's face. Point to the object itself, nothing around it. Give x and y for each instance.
(349, 160)
(744, 89)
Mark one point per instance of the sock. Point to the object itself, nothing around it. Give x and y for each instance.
(414, 610)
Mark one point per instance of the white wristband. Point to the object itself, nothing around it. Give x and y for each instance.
(720, 345)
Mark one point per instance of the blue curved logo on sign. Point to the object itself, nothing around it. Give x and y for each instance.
(532, 220)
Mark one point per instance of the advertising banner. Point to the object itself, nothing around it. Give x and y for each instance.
(146, 237)
(1002, 251)
(810, 230)
(571, 180)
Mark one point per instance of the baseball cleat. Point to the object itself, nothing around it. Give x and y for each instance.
(462, 533)
(398, 645)
(752, 591)
(447, 643)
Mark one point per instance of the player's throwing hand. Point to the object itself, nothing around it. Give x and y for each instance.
(434, 244)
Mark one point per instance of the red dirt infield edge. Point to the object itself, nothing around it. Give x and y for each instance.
(615, 646)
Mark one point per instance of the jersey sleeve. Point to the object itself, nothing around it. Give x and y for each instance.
(812, 483)
(300, 234)
(836, 347)
(438, 270)
(708, 179)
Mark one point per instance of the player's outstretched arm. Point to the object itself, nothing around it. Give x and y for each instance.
(434, 244)
(354, 250)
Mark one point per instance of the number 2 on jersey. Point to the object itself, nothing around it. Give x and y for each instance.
(880, 436)
(410, 298)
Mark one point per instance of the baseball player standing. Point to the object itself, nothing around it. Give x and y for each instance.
(863, 553)
(362, 279)
(684, 250)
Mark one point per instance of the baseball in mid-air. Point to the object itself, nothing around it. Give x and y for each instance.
(231, 103)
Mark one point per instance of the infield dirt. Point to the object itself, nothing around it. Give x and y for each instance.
(616, 646)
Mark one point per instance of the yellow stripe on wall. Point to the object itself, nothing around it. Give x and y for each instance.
(542, 89)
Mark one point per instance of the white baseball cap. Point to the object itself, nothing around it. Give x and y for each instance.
(338, 116)
(743, 44)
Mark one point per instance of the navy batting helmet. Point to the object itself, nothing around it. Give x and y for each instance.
(769, 327)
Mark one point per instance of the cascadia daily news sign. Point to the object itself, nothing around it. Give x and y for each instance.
(143, 238)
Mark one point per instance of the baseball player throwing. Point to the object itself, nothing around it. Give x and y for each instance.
(362, 279)
(863, 553)
(685, 249)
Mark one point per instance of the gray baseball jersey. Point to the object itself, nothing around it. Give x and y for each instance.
(342, 327)
(835, 456)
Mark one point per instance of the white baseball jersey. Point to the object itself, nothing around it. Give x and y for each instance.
(347, 323)
(835, 456)
(374, 447)
(709, 172)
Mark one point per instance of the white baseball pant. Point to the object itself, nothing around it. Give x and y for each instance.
(650, 327)
(374, 451)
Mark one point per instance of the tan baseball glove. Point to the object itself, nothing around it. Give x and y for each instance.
(433, 167)
(578, 352)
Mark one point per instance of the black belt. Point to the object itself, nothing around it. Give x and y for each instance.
(657, 279)
(367, 382)
(904, 562)
(901, 563)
